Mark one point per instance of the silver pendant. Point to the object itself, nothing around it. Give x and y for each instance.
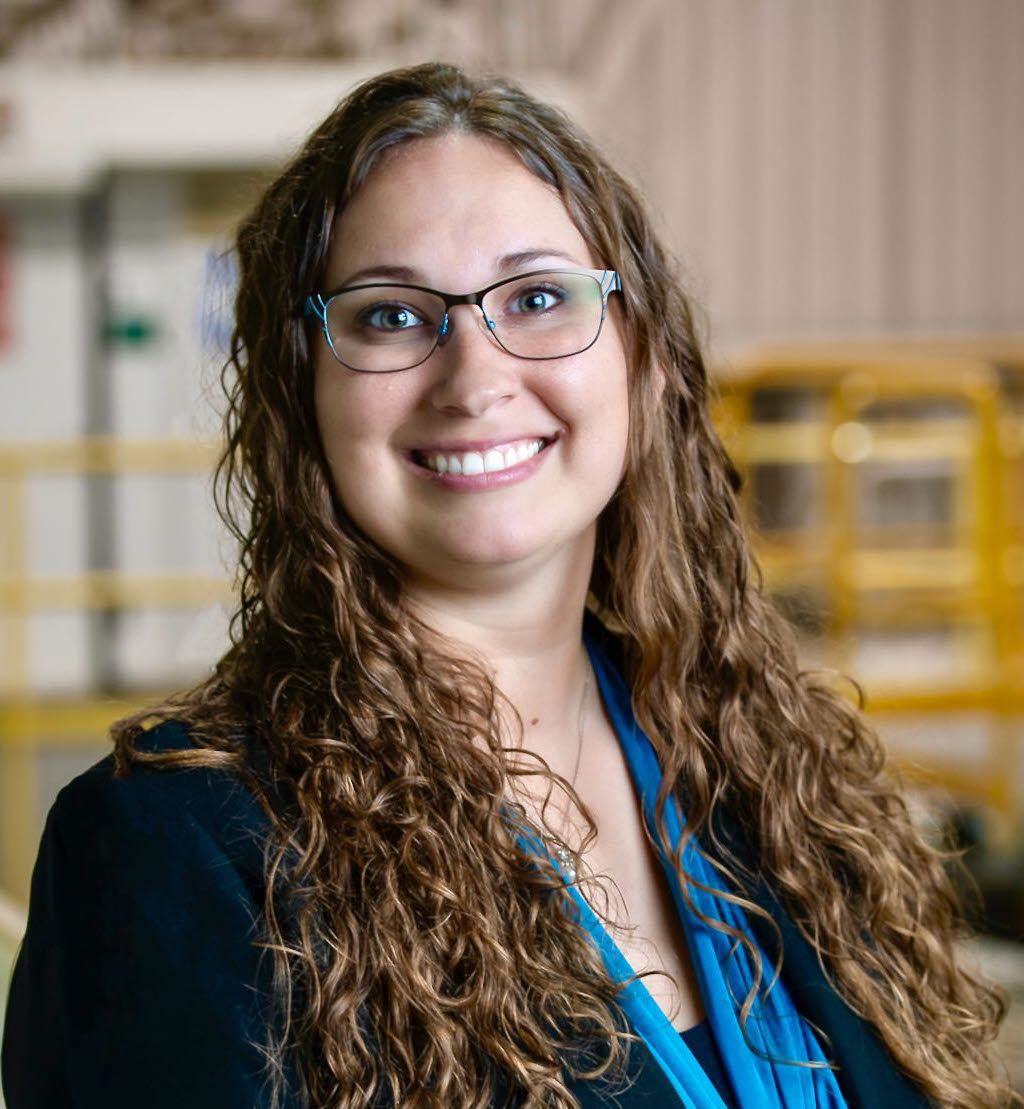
(564, 860)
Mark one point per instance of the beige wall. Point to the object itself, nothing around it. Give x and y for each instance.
(823, 166)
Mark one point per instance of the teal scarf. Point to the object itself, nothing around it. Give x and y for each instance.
(773, 1026)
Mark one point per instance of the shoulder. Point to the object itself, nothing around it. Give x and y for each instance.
(161, 860)
(144, 943)
(198, 810)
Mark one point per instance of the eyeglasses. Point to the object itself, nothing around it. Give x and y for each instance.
(382, 328)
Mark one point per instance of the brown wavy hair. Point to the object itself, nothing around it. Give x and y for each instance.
(417, 951)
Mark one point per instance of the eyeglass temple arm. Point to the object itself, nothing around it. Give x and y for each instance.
(315, 306)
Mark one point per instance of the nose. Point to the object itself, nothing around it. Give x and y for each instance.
(473, 371)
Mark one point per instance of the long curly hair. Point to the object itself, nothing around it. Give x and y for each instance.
(418, 952)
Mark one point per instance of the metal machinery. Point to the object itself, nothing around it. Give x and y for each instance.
(884, 483)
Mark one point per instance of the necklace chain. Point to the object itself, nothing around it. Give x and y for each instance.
(579, 726)
(561, 852)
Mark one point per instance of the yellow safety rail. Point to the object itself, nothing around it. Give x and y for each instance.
(884, 484)
(27, 720)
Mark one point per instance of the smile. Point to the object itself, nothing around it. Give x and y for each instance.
(502, 457)
(481, 470)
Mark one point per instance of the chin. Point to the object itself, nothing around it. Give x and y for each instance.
(480, 553)
(482, 547)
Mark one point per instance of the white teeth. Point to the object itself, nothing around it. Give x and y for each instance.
(473, 462)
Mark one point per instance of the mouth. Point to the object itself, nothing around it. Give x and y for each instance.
(492, 460)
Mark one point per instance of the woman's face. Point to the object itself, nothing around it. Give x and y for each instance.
(449, 210)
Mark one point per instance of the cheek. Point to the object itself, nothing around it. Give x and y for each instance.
(601, 407)
(354, 414)
(614, 400)
(346, 418)
(620, 439)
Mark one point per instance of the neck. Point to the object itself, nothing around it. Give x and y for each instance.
(528, 637)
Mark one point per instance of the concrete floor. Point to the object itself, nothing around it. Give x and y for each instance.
(8, 949)
(1003, 962)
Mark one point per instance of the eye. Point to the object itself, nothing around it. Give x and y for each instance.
(390, 317)
(536, 299)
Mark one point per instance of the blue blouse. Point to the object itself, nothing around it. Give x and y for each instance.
(723, 1067)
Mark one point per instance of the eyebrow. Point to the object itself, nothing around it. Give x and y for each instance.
(507, 263)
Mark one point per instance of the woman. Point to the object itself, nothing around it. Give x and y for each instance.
(489, 546)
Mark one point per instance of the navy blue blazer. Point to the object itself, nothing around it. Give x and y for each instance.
(137, 982)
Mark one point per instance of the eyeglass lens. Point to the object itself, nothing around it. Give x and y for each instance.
(385, 328)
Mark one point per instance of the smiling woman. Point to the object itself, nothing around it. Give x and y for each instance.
(489, 549)
(456, 212)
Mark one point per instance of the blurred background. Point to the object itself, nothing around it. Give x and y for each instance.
(841, 181)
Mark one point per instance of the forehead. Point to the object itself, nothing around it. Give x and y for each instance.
(448, 207)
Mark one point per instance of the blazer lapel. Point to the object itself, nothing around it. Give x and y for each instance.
(867, 1075)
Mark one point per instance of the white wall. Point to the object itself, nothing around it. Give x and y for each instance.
(154, 264)
(41, 396)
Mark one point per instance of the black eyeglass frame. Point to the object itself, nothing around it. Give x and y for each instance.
(316, 305)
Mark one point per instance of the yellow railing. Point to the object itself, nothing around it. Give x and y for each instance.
(28, 721)
(862, 427)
